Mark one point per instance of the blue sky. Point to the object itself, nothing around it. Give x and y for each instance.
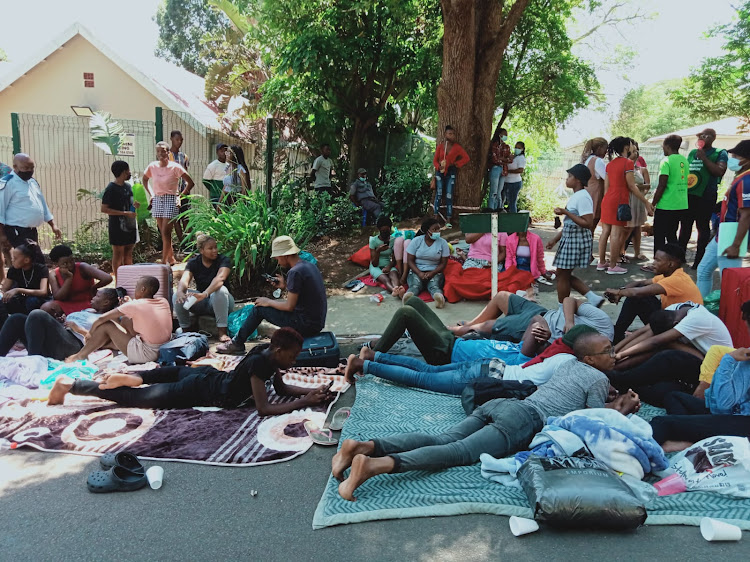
(667, 45)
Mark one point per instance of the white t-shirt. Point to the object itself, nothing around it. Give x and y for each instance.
(216, 170)
(518, 162)
(702, 328)
(427, 258)
(322, 167)
(580, 204)
(539, 373)
(600, 167)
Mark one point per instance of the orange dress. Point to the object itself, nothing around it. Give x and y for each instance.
(618, 192)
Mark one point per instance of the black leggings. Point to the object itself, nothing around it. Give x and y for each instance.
(694, 428)
(667, 371)
(632, 307)
(170, 387)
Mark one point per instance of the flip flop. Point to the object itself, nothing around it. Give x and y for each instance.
(339, 418)
(116, 479)
(358, 287)
(125, 460)
(320, 436)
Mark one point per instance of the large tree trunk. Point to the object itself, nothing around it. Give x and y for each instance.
(476, 34)
(357, 146)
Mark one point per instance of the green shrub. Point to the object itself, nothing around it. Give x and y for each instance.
(540, 201)
(405, 191)
(91, 242)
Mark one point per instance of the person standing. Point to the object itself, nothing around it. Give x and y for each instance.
(176, 155)
(593, 158)
(514, 180)
(734, 208)
(499, 158)
(164, 177)
(216, 171)
(638, 209)
(670, 199)
(237, 179)
(449, 157)
(321, 169)
(119, 204)
(23, 208)
(362, 195)
(707, 166)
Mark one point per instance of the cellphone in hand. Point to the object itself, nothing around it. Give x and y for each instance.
(269, 278)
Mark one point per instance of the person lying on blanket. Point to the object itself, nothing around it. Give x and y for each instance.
(185, 387)
(138, 328)
(48, 332)
(499, 427)
(507, 315)
(439, 346)
(452, 378)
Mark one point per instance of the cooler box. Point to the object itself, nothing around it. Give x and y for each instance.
(735, 289)
(319, 351)
(128, 275)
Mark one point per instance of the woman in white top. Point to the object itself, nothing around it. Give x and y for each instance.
(593, 158)
(513, 181)
(638, 209)
(237, 180)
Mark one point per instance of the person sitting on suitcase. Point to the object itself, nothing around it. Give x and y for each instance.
(305, 307)
(210, 269)
(138, 328)
(185, 387)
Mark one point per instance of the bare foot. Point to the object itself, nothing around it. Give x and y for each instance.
(343, 459)
(676, 446)
(61, 387)
(223, 336)
(353, 366)
(363, 468)
(116, 380)
(367, 353)
(73, 358)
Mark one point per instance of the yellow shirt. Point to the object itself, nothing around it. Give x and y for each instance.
(711, 361)
(678, 287)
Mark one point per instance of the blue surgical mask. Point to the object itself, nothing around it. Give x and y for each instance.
(435, 235)
(733, 164)
(504, 138)
(517, 151)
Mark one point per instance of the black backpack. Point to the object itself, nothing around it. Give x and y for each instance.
(483, 389)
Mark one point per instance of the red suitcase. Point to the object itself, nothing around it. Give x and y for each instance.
(735, 289)
(128, 275)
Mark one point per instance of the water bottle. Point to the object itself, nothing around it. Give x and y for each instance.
(6, 445)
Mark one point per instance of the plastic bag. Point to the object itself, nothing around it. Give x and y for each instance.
(716, 464)
(185, 347)
(237, 318)
(711, 301)
(579, 492)
(308, 257)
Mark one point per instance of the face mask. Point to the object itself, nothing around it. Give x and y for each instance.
(435, 235)
(733, 164)
(25, 176)
(362, 178)
(504, 138)
(517, 151)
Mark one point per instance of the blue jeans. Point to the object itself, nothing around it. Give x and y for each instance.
(449, 179)
(497, 181)
(449, 379)
(433, 286)
(510, 194)
(710, 261)
(499, 427)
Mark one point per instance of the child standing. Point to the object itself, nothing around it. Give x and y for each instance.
(576, 237)
(119, 204)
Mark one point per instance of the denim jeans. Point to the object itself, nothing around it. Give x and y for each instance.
(449, 379)
(218, 304)
(416, 285)
(41, 334)
(510, 195)
(445, 182)
(497, 181)
(499, 427)
(432, 338)
(711, 260)
(280, 318)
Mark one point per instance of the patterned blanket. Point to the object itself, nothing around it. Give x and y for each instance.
(236, 437)
(383, 409)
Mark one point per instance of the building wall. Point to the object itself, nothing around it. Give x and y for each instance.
(51, 87)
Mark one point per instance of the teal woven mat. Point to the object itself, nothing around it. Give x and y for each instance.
(384, 409)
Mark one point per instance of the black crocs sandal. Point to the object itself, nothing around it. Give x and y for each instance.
(116, 479)
(126, 460)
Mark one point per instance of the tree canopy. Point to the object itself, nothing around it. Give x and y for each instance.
(720, 86)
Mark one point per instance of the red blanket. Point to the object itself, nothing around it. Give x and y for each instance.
(476, 284)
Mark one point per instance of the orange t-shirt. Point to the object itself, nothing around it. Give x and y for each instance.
(679, 288)
(165, 180)
(152, 319)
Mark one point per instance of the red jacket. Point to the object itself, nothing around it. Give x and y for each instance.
(537, 253)
(457, 156)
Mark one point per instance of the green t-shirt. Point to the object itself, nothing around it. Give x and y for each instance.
(385, 255)
(674, 197)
